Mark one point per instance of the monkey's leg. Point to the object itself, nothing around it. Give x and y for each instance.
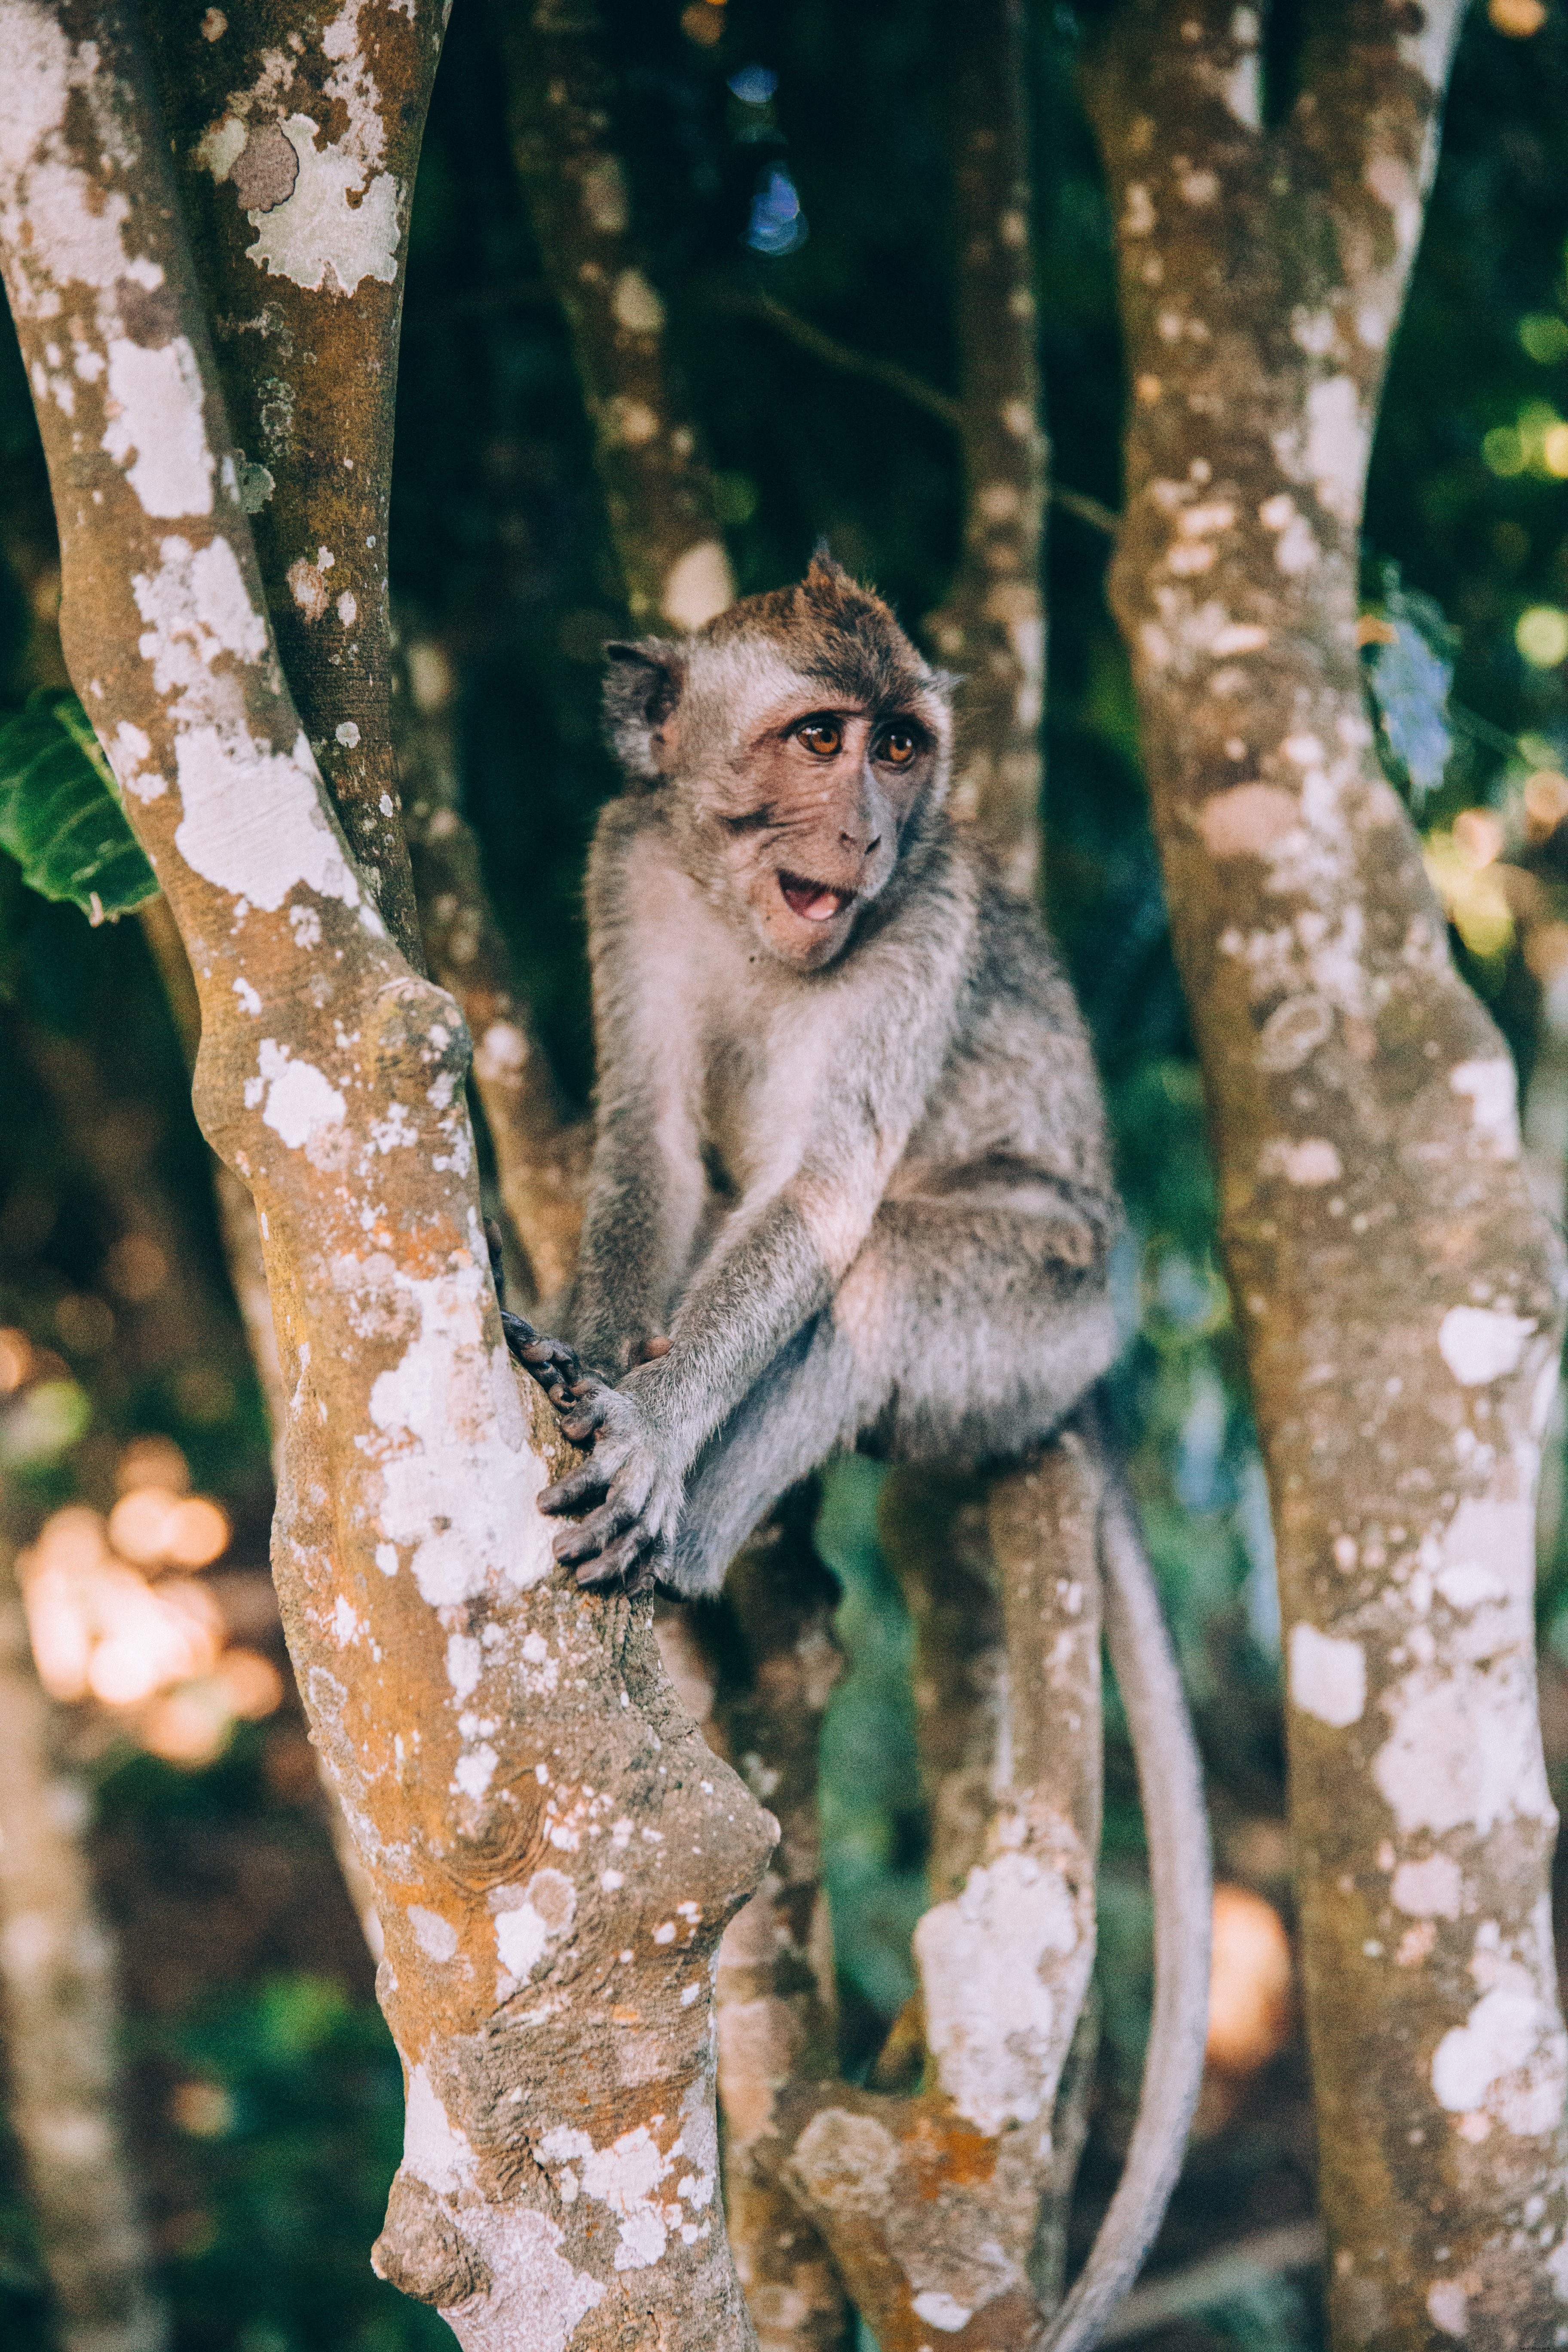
(975, 1329)
(809, 1400)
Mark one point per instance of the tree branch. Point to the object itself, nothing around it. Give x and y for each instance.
(541, 1158)
(295, 184)
(495, 1737)
(659, 500)
(931, 2203)
(62, 2025)
(1397, 1296)
(993, 624)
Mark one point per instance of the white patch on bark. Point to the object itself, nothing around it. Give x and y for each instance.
(1246, 820)
(1509, 2058)
(220, 148)
(1329, 448)
(847, 2160)
(253, 821)
(1242, 88)
(604, 198)
(1388, 177)
(698, 585)
(74, 226)
(500, 1053)
(434, 2149)
(628, 2178)
(1427, 49)
(535, 2298)
(129, 750)
(1481, 1343)
(530, 1918)
(1433, 1889)
(637, 307)
(1309, 1162)
(1139, 216)
(196, 606)
(1447, 2307)
(156, 430)
(994, 2024)
(1494, 1102)
(316, 237)
(1328, 1677)
(942, 2312)
(1464, 1749)
(437, 1938)
(464, 1663)
(459, 1480)
(1293, 1032)
(300, 1101)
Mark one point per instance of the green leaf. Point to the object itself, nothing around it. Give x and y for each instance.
(60, 815)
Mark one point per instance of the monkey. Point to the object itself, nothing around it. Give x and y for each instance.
(851, 1182)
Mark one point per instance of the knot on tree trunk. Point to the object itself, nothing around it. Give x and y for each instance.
(420, 2251)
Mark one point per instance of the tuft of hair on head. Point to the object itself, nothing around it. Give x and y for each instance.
(835, 631)
(642, 688)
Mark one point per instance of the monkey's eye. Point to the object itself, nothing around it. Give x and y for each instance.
(823, 738)
(898, 746)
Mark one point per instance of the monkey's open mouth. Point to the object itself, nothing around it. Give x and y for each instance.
(814, 900)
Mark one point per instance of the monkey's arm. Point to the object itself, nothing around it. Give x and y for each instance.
(645, 1183)
(776, 1264)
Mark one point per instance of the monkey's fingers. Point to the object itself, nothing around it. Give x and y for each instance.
(632, 1563)
(579, 1487)
(584, 1415)
(517, 1334)
(550, 1361)
(594, 1534)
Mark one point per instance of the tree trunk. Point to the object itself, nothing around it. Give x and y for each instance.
(541, 1158)
(1398, 1296)
(62, 2025)
(660, 505)
(993, 626)
(554, 1852)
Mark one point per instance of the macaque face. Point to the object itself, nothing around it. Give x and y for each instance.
(809, 818)
(797, 745)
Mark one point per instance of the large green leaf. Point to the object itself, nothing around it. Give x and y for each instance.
(60, 815)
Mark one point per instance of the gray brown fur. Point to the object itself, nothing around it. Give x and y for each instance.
(857, 1174)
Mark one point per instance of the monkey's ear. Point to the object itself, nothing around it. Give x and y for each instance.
(642, 692)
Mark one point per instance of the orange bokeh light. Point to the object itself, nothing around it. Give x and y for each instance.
(1251, 2008)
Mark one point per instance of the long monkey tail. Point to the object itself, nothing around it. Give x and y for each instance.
(1170, 1783)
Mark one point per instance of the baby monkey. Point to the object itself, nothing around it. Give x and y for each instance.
(851, 1180)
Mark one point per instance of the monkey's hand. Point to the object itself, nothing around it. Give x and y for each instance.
(627, 1538)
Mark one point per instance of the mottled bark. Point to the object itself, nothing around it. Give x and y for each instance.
(775, 1994)
(554, 1851)
(1398, 1296)
(660, 505)
(59, 2025)
(246, 1262)
(992, 627)
(931, 2203)
(540, 1156)
(296, 127)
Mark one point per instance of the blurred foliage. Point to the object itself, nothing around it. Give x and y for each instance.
(295, 2096)
(796, 152)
